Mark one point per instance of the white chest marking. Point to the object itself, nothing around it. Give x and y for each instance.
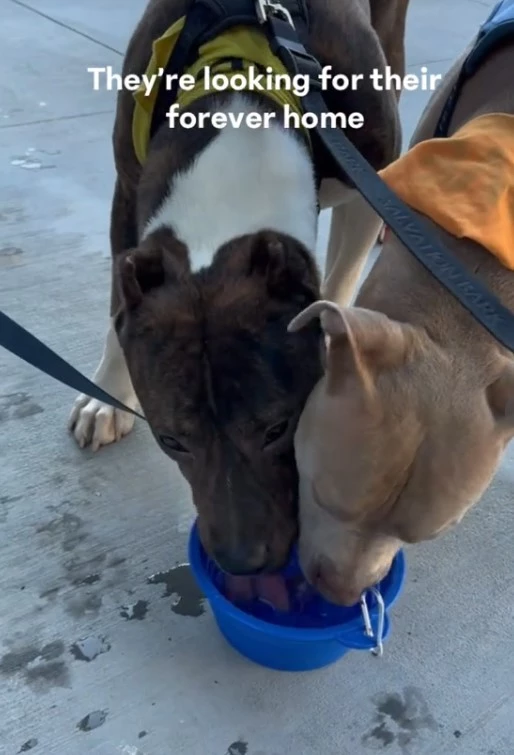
(244, 181)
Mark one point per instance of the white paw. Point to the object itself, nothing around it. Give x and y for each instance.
(96, 424)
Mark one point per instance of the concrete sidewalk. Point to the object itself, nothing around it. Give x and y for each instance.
(96, 655)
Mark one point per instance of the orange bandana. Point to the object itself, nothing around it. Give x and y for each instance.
(464, 183)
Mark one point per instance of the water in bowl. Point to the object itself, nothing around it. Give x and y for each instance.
(307, 609)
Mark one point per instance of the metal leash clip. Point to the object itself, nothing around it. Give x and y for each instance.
(266, 8)
(378, 650)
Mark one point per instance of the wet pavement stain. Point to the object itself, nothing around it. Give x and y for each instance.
(382, 734)
(238, 748)
(52, 650)
(10, 251)
(50, 594)
(12, 214)
(92, 720)
(82, 606)
(116, 561)
(80, 568)
(400, 720)
(135, 611)
(89, 580)
(28, 745)
(11, 257)
(18, 660)
(68, 528)
(89, 648)
(181, 586)
(18, 406)
(47, 675)
(38, 666)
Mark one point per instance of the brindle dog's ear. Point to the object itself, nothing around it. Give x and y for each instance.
(159, 259)
(139, 272)
(287, 266)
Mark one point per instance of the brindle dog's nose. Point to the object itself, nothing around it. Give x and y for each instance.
(242, 562)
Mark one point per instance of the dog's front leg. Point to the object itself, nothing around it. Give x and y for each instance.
(389, 18)
(354, 228)
(91, 421)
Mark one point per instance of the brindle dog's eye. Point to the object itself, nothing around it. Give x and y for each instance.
(173, 444)
(275, 432)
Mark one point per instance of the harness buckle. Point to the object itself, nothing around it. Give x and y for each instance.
(285, 41)
(266, 9)
(298, 61)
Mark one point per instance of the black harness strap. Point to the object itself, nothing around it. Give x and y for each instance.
(415, 235)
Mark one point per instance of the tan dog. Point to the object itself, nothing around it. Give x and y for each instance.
(407, 427)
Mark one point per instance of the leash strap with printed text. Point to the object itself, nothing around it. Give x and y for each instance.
(483, 305)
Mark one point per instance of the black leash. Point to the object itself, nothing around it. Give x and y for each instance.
(481, 303)
(207, 18)
(415, 235)
(23, 344)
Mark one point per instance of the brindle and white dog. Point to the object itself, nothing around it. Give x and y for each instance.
(213, 243)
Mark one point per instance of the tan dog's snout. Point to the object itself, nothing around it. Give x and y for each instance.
(325, 577)
(339, 562)
(346, 588)
(328, 582)
(329, 313)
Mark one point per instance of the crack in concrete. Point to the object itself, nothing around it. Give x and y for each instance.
(66, 26)
(58, 118)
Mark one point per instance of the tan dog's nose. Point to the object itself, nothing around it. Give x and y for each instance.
(332, 587)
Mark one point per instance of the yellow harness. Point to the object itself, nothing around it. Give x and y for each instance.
(248, 45)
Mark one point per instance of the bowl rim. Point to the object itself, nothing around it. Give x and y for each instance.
(336, 631)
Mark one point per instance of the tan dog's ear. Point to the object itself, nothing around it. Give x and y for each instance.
(500, 396)
(381, 342)
(331, 317)
(359, 340)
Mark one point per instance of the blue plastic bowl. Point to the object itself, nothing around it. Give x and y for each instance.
(314, 634)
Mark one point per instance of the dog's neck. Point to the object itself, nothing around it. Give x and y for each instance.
(242, 181)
